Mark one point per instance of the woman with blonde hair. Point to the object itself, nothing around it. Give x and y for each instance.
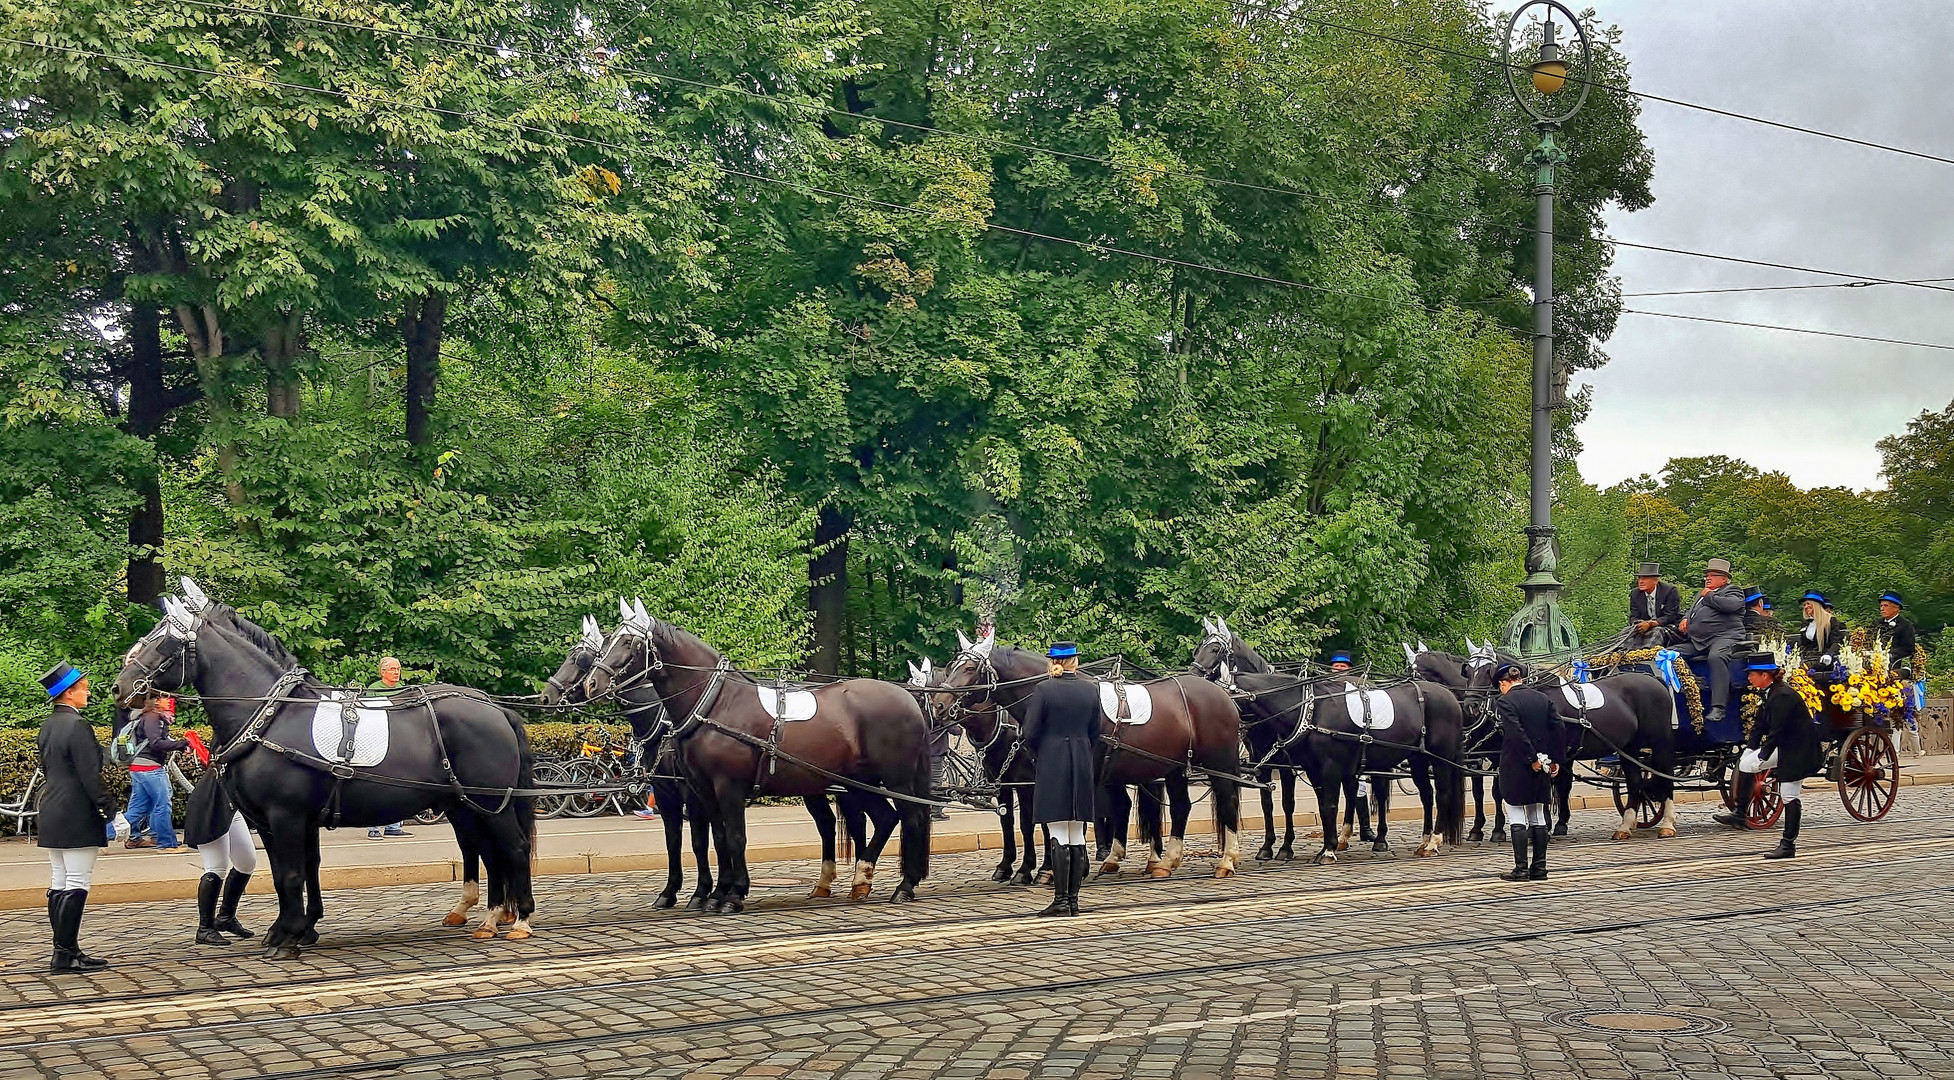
(1817, 645)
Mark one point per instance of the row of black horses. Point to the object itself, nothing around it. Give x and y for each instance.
(718, 739)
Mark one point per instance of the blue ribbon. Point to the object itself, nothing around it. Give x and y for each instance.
(1581, 671)
(1665, 669)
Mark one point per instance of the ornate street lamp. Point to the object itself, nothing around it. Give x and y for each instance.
(1541, 628)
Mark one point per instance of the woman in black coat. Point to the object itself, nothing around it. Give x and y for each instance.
(1061, 730)
(1787, 743)
(1532, 752)
(74, 815)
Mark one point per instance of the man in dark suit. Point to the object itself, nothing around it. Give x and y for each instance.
(1654, 608)
(1896, 631)
(1715, 628)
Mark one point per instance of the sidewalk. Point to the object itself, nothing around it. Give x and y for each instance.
(611, 844)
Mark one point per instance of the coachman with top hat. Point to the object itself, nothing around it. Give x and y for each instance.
(75, 811)
(1654, 608)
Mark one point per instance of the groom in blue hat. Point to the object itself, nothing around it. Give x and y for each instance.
(75, 810)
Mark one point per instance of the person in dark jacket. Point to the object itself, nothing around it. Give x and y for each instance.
(1758, 622)
(1715, 628)
(1654, 609)
(1896, 631)
(1818, 642)
(149, 780)
(1061, 729)
(74, 816)
(1787, 743)
(1532, 752)
(223, 842)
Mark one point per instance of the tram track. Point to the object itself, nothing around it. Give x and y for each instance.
(17, 1017)
(828, 910)
(1046, 990)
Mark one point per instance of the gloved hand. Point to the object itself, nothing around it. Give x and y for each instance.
(1826, 660)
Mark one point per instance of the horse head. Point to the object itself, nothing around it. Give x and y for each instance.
(566, 686)
(1212, 656)
(165, 658)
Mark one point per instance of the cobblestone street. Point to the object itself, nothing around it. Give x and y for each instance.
(1685, 958)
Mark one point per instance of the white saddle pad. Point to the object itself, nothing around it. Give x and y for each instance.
(1139, 703)
(1382, 712)
(1582, 695)
(800, 703)
(369, 737)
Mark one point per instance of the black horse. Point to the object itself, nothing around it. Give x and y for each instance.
(1276, 752)
(863, 731)
(1007, 763)
(447, 747)
(1341, 730)
(1634, 720)
(1482, 737)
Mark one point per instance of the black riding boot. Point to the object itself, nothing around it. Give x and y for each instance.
(207, 889)
(1539, 834)
(67, 933)
(1739, 818)
(1061, 881)
(1519, 871)
(234, 884)
(1081, 866)
(1794, 812)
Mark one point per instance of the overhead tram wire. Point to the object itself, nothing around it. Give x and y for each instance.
(879, 203)
(1776, 288)
(1786, 329)
(1249, 5)
(1031, 148)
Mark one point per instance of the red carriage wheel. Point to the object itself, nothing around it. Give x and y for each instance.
(1869, 774)
(1766, 806)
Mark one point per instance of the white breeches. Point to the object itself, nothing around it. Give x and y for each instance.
(231, 851)
(1068, 833)
(1752, 762)
(71, 868)
(1530, 814)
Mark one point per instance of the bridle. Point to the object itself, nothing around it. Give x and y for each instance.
(1222, 672)
(650, 659)
(170, 629)
(583, 672)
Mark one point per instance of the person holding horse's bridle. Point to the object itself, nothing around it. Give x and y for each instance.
(1532, 752)
(75, 810)
(1061, 729)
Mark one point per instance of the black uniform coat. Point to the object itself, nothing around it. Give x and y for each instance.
(1528, 726)
(1665, 606)
(208, 816)
(1899, 637)
(1788, 730)
(1810, 650)
(75, 807)
(1061, 728)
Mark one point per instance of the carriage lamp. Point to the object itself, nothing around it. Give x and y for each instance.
(1549, 71)
(1541, 628)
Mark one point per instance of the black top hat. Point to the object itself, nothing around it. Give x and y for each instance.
(60, 677)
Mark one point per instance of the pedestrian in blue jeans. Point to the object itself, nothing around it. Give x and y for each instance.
(149, 781)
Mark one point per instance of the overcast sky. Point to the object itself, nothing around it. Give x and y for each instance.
(1806, 406)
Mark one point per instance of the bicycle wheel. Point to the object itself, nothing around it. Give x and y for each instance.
(590, 802)
(548, 774)
(429, 816)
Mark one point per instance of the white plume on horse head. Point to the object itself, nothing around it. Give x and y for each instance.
(593, 634)
(638, 609)
(1470, 647)
(177, 618)
(986, 644)
(1422, 647)
(1410, 658)
(636, 618)
(1208, 627)
(927, 672)
(963, 643)
(916, 677)
(193, 598)
(623, 609)
(1221, 627)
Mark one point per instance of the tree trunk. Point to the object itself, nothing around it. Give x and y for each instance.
(279, 352)
(827, 588)
(420, 328)
(149, 404)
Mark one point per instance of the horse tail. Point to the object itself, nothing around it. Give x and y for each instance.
(1448, 772)
(916, 824)
(1662, 751)
(525, 805)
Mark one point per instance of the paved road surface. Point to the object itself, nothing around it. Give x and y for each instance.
(1837, 964)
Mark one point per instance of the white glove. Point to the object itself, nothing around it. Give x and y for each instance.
(1825, 661)
(1544, 760)
(1363, 789)
(121, 826)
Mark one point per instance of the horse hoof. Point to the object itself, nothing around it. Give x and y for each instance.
(1002, 873)
(482, 933)
(308, 936)
(859, 892)
(1224, 871)
(820, 892)
(519, 935)
(1285, 855)
(1045, 877)
(1476, 836)
(1343, 845)
(730, 906)
(1265, 854)
(1324, 857)
(1666, 834)
(1109, 870)
(903, 895)
(1159, 872)
(1499, 836)
(1379, 847)
(282, 952)
(1561, 829)
(1622, 834)
(697, 903)
(665, 900)
(454, 918)
(1024, 877)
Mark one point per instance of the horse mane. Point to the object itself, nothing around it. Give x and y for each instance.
(255, 634)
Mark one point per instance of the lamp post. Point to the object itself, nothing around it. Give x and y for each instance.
(1540, 628)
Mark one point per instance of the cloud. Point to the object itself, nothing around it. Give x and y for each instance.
(1810, 407)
